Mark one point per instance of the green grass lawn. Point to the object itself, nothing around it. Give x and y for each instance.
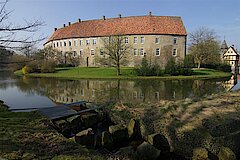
(126, 73)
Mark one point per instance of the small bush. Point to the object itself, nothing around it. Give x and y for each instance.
(146, 69)
(33, 67)
(175, 69)
(48, 67)
(64, 65)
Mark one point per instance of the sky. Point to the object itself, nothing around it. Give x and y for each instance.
(223, 16)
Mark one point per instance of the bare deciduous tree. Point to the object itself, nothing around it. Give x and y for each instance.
(115, 48)
(204, 44)
(8, 30)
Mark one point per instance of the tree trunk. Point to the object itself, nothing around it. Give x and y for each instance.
(199, 65)
(118, 69)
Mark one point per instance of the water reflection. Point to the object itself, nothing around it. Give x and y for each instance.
(34, 90)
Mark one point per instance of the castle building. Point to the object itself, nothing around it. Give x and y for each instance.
(156, 37)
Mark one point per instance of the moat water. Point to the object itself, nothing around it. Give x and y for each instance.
(25, 92)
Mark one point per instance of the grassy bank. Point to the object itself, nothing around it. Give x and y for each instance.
(28, 135)
(126, 73)
(211, 123)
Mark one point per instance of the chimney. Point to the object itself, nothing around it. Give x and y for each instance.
(55, 29)
(79, 20)
(64, 25)
(104, 18)
(119, 15)
(150, 13)
(69, 23)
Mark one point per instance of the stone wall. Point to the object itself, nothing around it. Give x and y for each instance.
(90, 54)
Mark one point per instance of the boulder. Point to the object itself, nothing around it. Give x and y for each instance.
(63, 127)
(147, 151)
(75, 122)
(119, 133)
(226, 153)
(158, 141)
(107, 140)
(85, 137)
(200, 154)
(135, 129)
(89, 120)
(129, 150)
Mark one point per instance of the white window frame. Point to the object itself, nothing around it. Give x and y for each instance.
(88, 41)
(101, 52)
(92, 52)
(64, 43)
(135, 53)
(142, 40)
(69, 43)
(157, 51)
(141, 52)
(175, 40)
(75, 42)
(74, 53)
(94, 41)
(60, 44)
(81, 52)
(81, 42)
(157, 40)
(135, 40)
(126, 40)
(174, 51)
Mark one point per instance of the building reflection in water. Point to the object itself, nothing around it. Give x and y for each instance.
(228, 85)
(132, 91)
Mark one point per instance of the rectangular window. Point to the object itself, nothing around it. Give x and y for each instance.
(126, 40)
(60, 44)
(157, 40)
(87, 41)
(94, 41)
(75, 42)
(65, 43)
(174, 52)
(175, 40)
(57, 44)
(92, 52)
(141, 52)
(157, 52)
(81, 42)
(101, 52)
(74, 53)
(142, 40)
(135, 40)
(135, 52)
(70, 43)
(80, 52)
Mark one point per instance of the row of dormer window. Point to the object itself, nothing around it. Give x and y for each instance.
(93, 41)
(135, 52)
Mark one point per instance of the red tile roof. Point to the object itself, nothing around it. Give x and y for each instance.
(135, 25)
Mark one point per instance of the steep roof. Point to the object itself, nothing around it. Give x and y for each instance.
(224, 45)
(135, 25)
